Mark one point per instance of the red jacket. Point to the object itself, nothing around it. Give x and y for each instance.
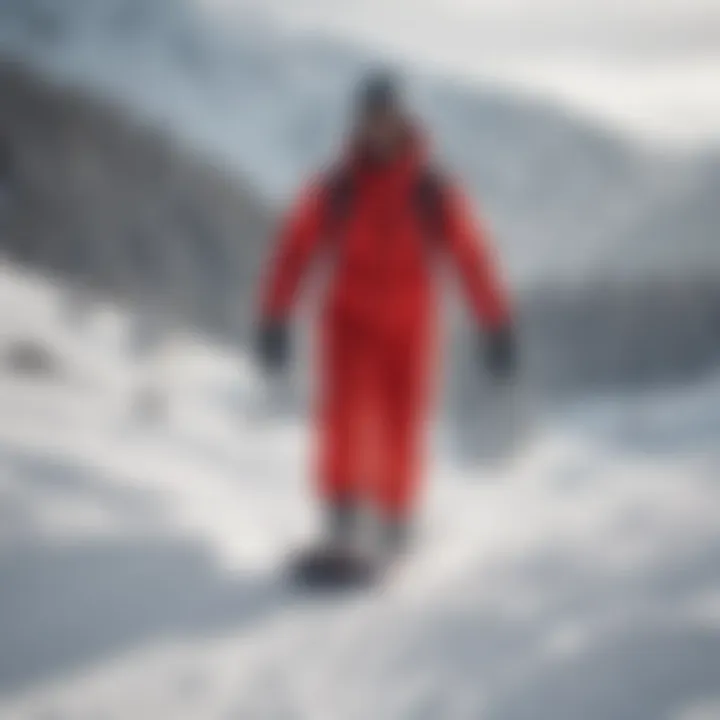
(383, 263)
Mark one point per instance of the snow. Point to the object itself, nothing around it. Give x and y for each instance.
(140, 563)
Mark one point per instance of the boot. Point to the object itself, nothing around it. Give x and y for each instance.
(341, 526)
(337, 562)
(395, 536)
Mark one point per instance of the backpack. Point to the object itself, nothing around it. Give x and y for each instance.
(427, 199)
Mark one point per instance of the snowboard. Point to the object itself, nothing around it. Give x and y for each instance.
(333, 570)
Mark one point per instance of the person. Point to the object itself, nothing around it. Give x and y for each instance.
(383, 216)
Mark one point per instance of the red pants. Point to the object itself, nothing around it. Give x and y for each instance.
(372, 414)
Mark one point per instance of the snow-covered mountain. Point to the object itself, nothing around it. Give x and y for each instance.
(681, 233)
(164, 135)
(123, 210)
(559, 191)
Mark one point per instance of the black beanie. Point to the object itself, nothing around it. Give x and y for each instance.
(379, 92)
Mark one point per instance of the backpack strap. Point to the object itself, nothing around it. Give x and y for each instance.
(429, 204)
(339, 194)
(428, 198)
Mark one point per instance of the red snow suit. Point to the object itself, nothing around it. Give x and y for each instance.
(378, 318)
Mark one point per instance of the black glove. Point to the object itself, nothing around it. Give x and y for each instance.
(500, 352)
(273, 346)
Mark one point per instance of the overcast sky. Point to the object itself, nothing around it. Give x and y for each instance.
(650, 66)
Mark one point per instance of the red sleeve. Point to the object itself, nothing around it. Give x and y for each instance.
(470, 253)
(298, 242)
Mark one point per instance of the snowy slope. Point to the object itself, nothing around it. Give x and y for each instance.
(139, 564)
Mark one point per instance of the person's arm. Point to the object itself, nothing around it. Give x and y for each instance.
(470, 251)
(299, 240)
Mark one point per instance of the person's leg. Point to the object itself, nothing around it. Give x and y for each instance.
(404, 418)
(340, 415)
